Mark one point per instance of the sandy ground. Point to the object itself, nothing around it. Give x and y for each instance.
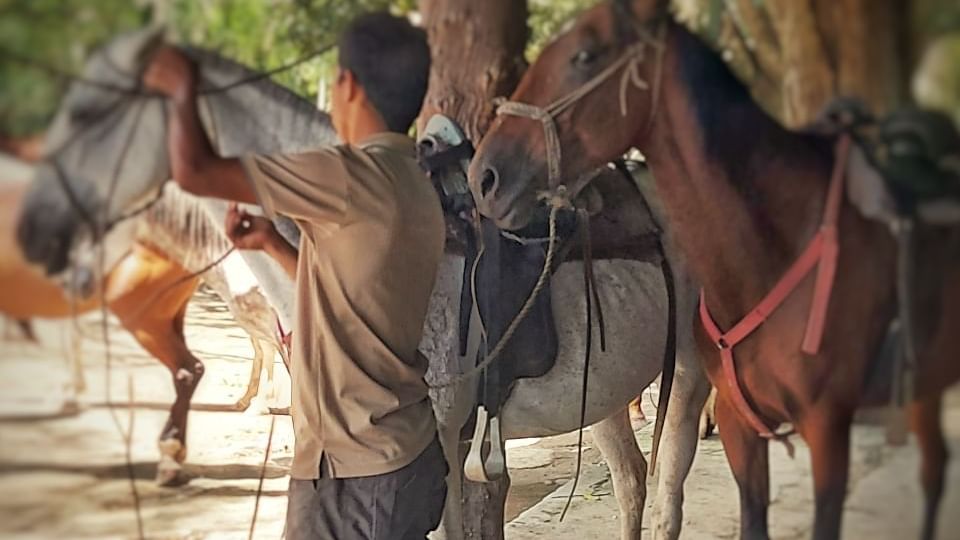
(63, 473)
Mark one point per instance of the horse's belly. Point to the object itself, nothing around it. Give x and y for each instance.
(634, 307)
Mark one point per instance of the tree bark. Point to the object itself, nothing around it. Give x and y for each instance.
(477, 50)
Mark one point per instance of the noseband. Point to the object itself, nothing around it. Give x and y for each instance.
(629, 62)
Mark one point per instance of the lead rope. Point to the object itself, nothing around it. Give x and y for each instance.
(591, 296)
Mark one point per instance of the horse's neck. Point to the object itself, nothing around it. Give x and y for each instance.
(742, 216)
(258, 116)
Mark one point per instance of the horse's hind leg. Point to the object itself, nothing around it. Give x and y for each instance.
(925, 421)
(679, 441)
(628, 469)
(747, 454)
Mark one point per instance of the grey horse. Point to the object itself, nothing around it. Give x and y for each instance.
(110, 157)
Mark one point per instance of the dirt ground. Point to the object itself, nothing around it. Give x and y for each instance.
(63, 473)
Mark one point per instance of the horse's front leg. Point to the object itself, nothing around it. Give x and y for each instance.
(679, 440)
(158, 328)
(164, 339)
(253, 385)
(826, 430)
(628, 469)
(925, 420)
(747, 454)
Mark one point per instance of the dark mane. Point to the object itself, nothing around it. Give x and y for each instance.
(734, 127)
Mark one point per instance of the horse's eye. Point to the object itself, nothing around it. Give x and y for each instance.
(583, 58)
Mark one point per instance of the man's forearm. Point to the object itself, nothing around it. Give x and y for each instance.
(285, 254)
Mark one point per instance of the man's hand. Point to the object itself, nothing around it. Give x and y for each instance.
(171, 74)
(247, 231)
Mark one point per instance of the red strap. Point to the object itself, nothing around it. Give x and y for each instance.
(729, 370)
(823, 249)
(830, 251)
(285, 337)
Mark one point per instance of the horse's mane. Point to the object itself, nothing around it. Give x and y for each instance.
(733, 126)
(213, 62)
(180, 224)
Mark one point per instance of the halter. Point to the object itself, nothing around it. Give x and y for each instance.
(629, 62)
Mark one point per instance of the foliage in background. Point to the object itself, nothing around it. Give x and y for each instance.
(59, 33)
(262, 33)
(547, 18)
(270, 33)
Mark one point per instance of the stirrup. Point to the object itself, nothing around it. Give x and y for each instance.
(475, 467)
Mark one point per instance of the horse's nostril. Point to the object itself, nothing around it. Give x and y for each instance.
(488, 182)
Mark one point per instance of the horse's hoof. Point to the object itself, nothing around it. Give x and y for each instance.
(175, 477)
(257, 407)
(170, 473)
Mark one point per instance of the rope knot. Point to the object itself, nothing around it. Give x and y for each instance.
(557, 198)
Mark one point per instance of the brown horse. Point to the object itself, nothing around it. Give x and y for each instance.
(743, 197)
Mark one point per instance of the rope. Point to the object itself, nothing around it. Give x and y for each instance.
(591, 296)
(137, 90)
(263, 474)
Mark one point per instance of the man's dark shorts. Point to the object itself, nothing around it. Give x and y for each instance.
(402, 505)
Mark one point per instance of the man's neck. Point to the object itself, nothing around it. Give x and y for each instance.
(364, 123)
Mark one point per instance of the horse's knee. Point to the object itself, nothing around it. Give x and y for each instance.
(188, 377)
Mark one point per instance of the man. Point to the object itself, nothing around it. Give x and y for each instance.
(367, 463)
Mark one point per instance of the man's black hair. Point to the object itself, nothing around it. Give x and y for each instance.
(390, 59)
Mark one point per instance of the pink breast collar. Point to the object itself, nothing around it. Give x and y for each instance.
(820, 252)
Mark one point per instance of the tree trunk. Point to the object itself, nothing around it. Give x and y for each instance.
(796, 56)
(477, 52)
(477, 49)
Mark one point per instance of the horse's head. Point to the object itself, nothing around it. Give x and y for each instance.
(595, 84)
(105, 129)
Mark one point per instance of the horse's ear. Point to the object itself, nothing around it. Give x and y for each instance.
(131, 51)
(629, 15)
(646, 10)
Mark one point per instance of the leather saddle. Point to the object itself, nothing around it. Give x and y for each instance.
(906, 164)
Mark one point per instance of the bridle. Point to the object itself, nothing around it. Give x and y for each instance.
(628, 64)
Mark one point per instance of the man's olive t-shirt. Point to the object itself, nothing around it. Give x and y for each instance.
(372, 238)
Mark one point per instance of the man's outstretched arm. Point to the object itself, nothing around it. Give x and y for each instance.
(195, 165)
